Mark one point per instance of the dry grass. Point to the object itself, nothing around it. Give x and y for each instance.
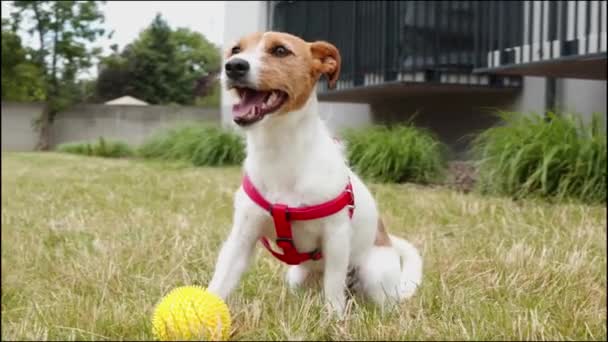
(89, 246)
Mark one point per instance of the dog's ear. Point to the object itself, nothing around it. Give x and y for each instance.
(326, 61)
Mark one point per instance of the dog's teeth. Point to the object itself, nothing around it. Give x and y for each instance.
(272, 97)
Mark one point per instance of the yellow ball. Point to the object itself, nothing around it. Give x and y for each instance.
(191, 313)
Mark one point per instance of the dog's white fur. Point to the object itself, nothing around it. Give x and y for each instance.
(293, 159)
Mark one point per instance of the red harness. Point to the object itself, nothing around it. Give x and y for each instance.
(283, 215)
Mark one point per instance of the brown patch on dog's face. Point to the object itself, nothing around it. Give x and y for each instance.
(275, 73)
(292, 72)
(382, 238)
(290, 64)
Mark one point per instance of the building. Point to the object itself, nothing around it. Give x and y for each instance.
(126, 101)
(452, 62)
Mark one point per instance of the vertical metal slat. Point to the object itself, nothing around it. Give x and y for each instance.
(576, 22)
(491, 42)
(436, 31)
(541, 39)
(587, 28)
(501, 27)
(599, 26)
(563, 24)
(530, 30)
(413, 35)
(354, 44)
(551, 21)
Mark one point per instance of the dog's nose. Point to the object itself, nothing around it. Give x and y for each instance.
(237, 68)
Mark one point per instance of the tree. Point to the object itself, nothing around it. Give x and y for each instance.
(114, 79)
(161, 66)
(62, 29)
(22, 80)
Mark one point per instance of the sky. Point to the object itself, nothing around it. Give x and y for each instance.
(128, 18)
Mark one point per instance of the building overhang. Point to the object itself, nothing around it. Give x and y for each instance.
(399, 89)
(592, 66)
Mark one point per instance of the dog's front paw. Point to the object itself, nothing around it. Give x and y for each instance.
(335, 314)
(336, 309)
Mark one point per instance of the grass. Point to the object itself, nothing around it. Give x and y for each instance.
(198, 144)
(401, 153)
(530, 156)
(98, 148)
(89, 245)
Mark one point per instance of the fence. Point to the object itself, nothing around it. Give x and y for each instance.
(535, 31)
(435, 41)
(393, 41)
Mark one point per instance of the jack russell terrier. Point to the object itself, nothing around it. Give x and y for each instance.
(298, 189)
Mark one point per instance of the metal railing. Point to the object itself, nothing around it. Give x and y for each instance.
(546, 31)
(453, 42)
(388, 41)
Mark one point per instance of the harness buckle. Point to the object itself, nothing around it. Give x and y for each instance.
(352, 199)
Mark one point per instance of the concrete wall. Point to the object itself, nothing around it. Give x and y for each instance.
(581, 96)
(572, 95)
(90, 121)
(340, 116)
(456, 118)
(453, 118)
(532, 96)
(129, 123)
(17, 131)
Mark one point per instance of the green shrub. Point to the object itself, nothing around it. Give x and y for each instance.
(199, 144)
(555, 157)
(395, 154)
(98, 148)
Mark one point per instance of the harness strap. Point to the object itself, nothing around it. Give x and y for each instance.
(282, 216)
(346, 198)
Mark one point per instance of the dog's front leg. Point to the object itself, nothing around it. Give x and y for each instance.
(232, 262)
(236, 253)
(336, 252)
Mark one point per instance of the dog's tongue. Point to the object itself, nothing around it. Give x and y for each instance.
(249, 101)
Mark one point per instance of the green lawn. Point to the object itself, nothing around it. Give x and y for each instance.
(89, 245)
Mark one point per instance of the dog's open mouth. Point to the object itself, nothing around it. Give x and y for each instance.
(254, 104)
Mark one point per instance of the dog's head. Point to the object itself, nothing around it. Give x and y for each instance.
(275, 73)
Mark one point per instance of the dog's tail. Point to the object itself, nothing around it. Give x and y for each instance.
(411, 266)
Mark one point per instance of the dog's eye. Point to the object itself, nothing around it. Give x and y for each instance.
(280, 51)
(236, 50)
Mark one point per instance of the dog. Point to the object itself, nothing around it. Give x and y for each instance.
(293, 167)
